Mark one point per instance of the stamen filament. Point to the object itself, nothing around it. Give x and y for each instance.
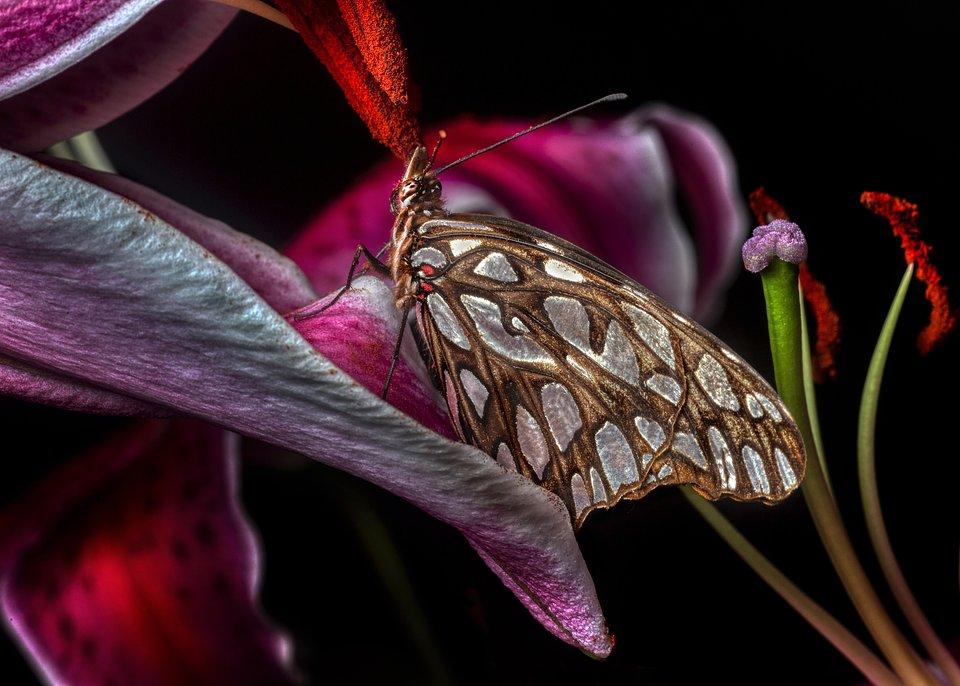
(261, 9)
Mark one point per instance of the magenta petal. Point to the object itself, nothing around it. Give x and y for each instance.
(134, 565)
(358, 333)
(158, 318)
(707, 176)
(40, 386)
(68, 66)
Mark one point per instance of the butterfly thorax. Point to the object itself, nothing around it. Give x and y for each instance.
(416, 200)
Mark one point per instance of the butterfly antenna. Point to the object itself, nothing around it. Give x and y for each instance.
(609, 98)
(441, 136)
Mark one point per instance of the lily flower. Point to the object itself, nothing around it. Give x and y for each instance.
(116, 300)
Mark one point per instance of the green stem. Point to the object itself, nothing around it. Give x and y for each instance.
(86, 149)
(809, 388)
(821, 620)
(782, 296)
(866, 458)
(378, 543)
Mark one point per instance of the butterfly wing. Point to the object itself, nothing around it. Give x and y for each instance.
(566, 370)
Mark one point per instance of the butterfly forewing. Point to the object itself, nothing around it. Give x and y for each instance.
(566, 370)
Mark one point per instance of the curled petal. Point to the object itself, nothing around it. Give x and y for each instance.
(133, 564)
(707, 177)
(780, 238)
(73, 65)
(160, 319)
(274, 277)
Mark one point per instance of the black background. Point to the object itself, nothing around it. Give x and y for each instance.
(817, 104)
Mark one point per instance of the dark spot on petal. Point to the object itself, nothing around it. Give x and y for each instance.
(88, 647)
(66, 628)
(179, 549)
(205, 534)
(220, 583)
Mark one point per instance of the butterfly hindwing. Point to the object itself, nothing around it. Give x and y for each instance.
(563, 368)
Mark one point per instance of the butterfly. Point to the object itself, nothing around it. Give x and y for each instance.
(569, 372)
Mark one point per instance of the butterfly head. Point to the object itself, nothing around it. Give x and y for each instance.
(419, 188)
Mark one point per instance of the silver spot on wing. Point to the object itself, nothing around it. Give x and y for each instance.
(562, 413)
(787, 475)
(533, 446)
(495, 266)
(770, 407)
(519, 325)
(486, 316)
(430, 256)
(446, 321)
(616, 456)
(581, 500)
(653, 333)
(665, 386)
(753, 406)
(686, 444)
(571, 321)
(665, 471)
(475, 389)
(714, 381)
(505, 458)
(561, 270)
(599, 494)
(651, 431)
(459, 246)
(723, 459)
(755, 470)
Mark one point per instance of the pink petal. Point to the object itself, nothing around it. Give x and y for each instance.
(357, 335)
(706, 173)
(134, 565)
(68, 66)
(94, 287)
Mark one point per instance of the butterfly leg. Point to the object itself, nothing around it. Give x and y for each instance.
(396, 351)
(373, 261)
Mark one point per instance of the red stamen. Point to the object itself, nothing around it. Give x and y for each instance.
(902, 217)
(765, 208)
(358, 42)
(827, 322)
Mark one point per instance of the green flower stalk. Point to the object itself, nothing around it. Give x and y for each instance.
(774, 251)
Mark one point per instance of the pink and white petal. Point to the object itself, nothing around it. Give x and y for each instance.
(274, 277)
(160, 319)
(134, 564)
(357, 332)
(41, 386)
(68, 66)
(707, 177)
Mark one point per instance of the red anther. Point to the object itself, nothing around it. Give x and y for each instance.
(902, 217)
